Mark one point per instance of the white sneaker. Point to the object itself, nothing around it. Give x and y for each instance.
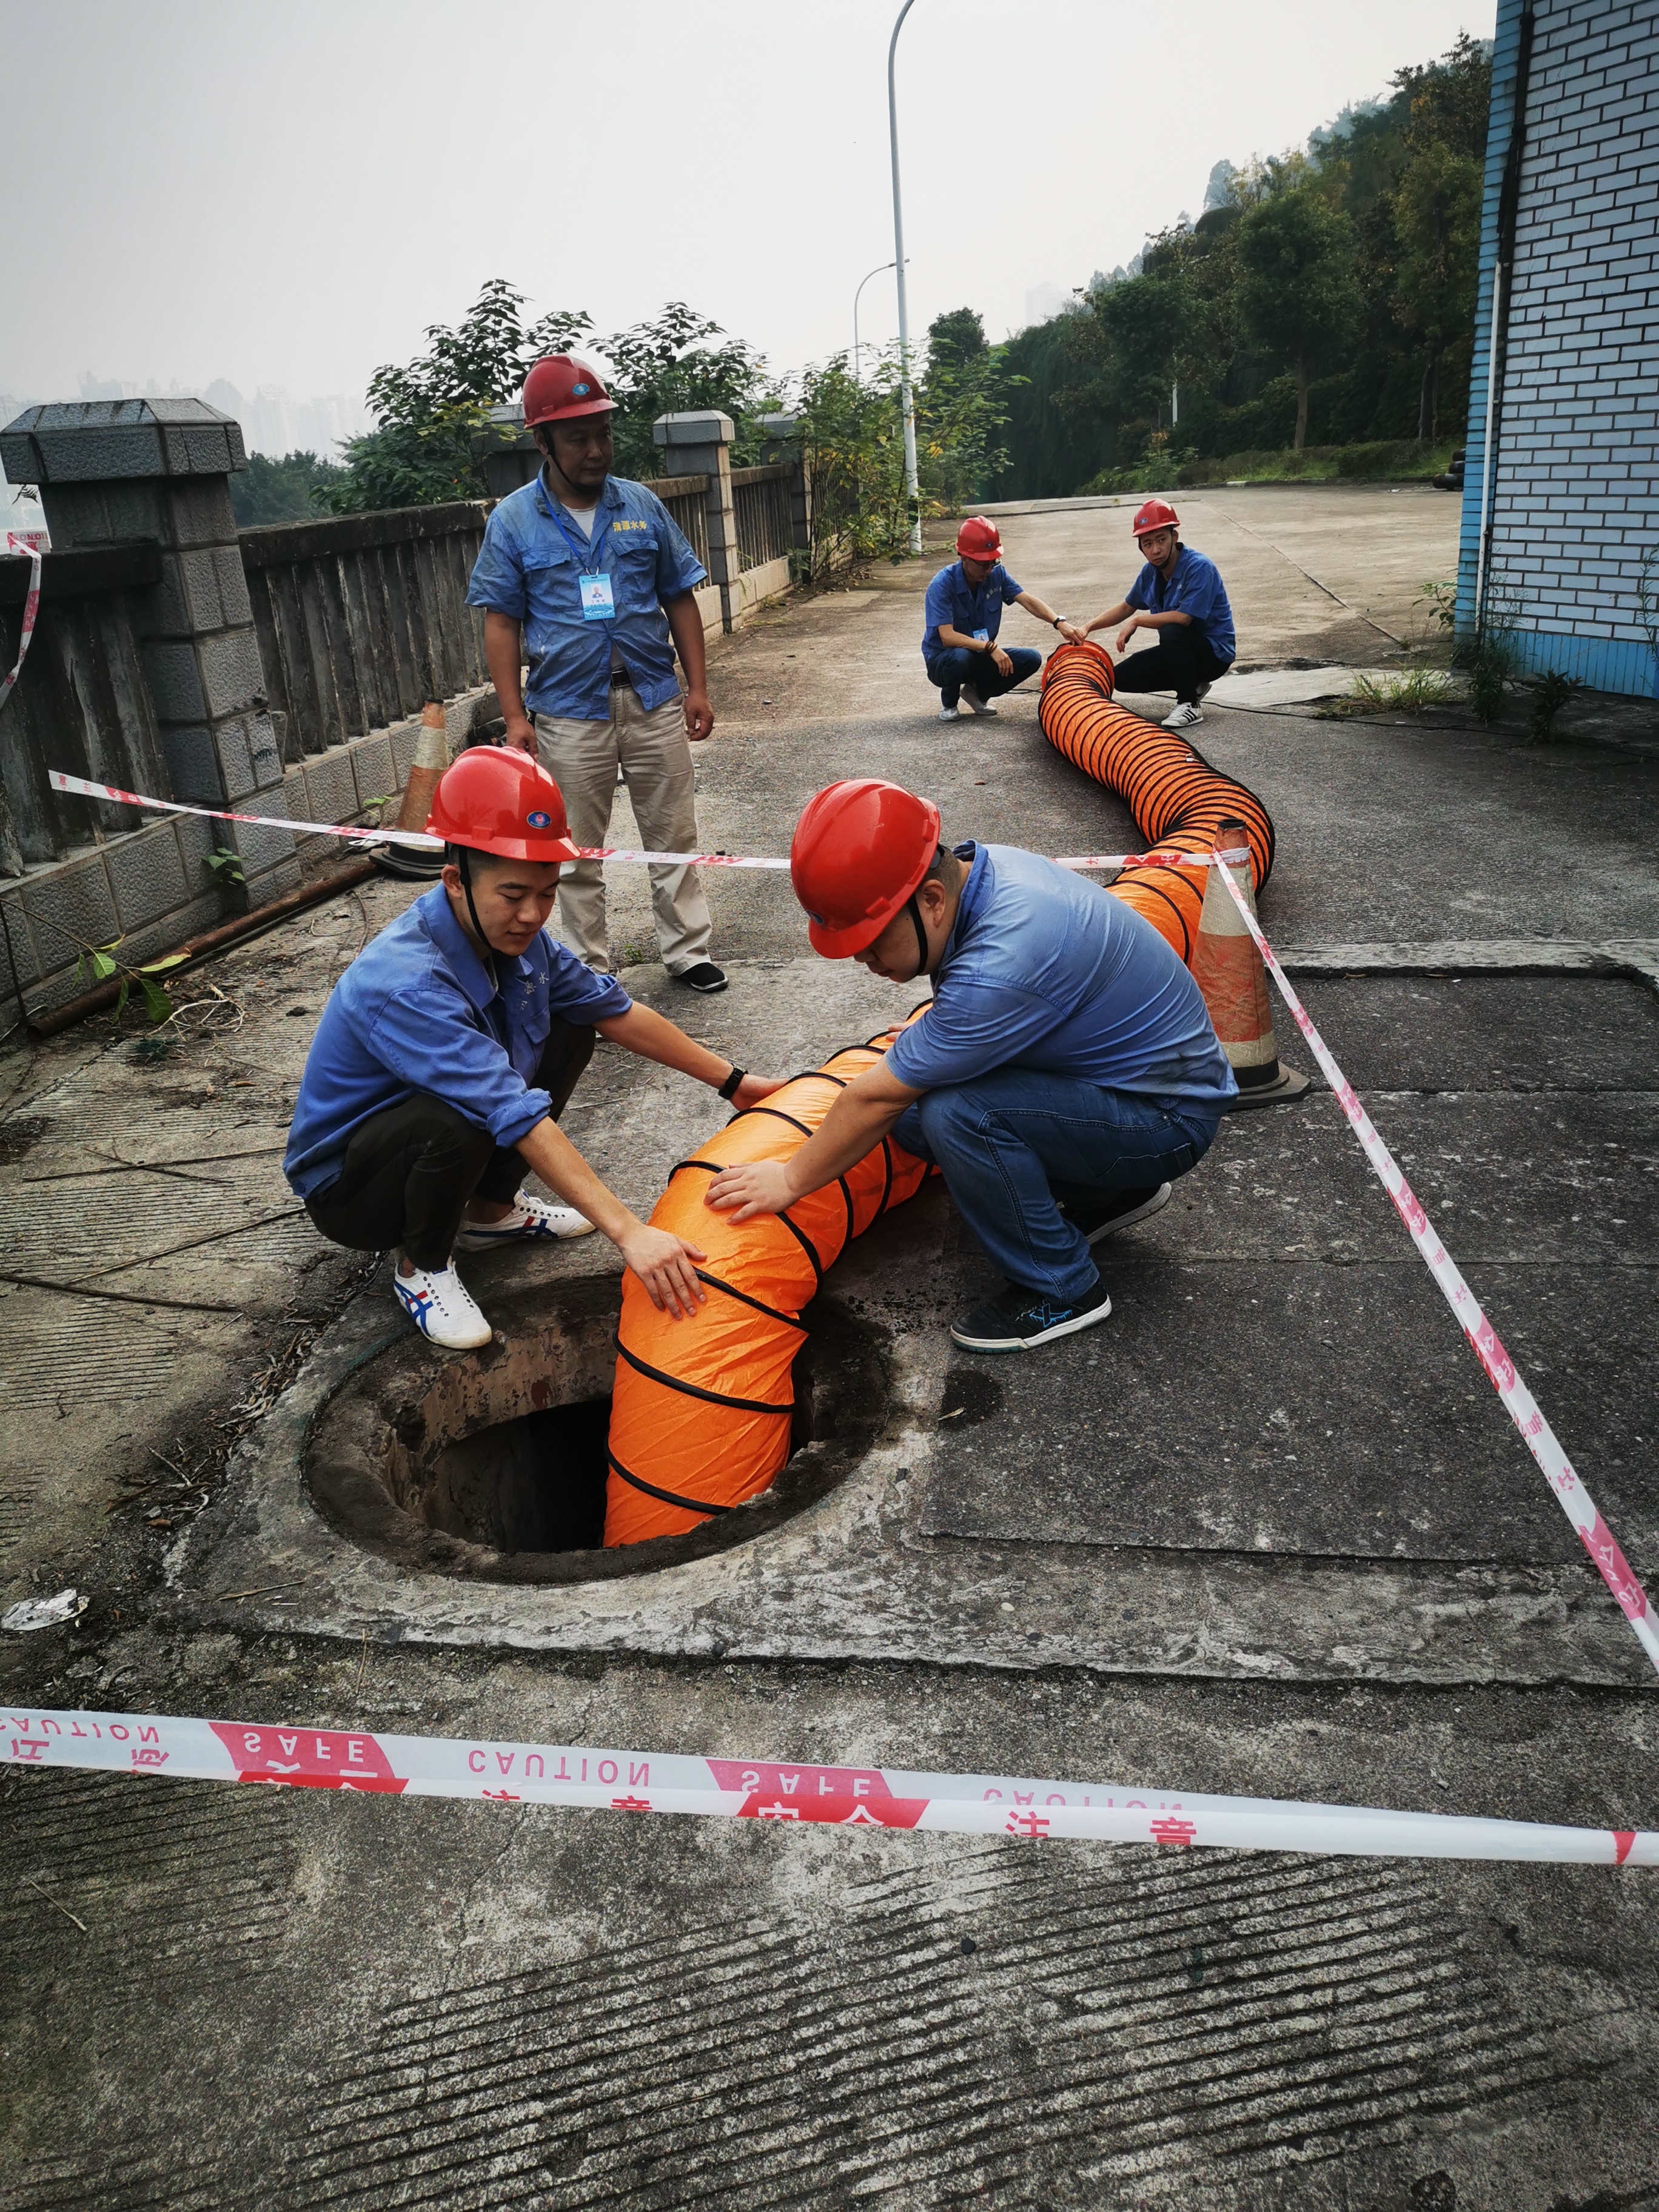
(531, 1218)
(1184, 718)
(974, 704)
(949, 714)
(441, 1307)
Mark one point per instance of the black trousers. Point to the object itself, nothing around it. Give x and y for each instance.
(1179, 662)
(408, 1172)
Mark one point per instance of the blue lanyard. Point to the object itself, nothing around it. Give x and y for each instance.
(585, 556)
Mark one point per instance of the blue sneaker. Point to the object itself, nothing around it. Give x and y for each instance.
(1018, 1320)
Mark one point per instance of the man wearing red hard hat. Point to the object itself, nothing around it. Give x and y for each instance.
(1179, 597)
(449, 1049)
(959, 646)
(1064, 1073)
(585, 576)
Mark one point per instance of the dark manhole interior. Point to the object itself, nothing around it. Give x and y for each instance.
(491, 1465)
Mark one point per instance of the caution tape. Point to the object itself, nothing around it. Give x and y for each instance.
(1537, 1433)
(80, 786)
(604, 1780)
(26, 550)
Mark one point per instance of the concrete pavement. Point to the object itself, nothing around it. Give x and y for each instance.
(1268, 1531)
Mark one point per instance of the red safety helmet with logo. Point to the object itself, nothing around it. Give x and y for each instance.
(559, 387)
(496, 800)
(859, 852)
(978, 538)
(1154, 515)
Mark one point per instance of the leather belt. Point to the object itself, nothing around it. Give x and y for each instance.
(621, 680)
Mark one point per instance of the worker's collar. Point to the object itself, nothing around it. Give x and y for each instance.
(479, 979)
(968, 898)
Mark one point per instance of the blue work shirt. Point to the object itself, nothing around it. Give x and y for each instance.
(1044, 970)
(967, 607)
(1194, 587)
(418, 1010)
(527, 568)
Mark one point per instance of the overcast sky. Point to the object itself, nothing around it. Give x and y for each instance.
(286, 194)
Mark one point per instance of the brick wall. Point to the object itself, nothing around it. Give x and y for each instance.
(1575, 504)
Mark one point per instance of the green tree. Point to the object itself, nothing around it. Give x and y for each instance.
(960, 410)
(1297, 291)
(956, 339)
(671, 366)
(1437, 213)
(285, 489)
(420, 452)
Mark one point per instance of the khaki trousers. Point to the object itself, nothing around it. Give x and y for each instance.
(655, 754)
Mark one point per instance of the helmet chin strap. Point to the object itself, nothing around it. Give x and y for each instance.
(914, 913)
(472, 904)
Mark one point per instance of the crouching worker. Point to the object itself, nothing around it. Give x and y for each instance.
(447, 1051)
(1064, 1074)
(963, 614)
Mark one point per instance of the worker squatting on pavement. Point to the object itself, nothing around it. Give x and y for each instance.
(448, 1050)
(1180, 597)
(586, 574)
(1065, 1073)
(964, 613)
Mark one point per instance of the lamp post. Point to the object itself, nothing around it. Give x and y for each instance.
(906, 398)
(863, 281)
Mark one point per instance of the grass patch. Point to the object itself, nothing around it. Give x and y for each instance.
(1413, 691)
(1397, 461)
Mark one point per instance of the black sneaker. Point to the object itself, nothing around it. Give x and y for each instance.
(1017, 1319)
(705, 977)
(1097, 1214)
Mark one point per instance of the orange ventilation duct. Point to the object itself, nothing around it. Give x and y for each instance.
(1179, 803)
(699, 1418)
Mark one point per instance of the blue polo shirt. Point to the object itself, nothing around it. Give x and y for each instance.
(1194, 587)
(1044, 970)
(417, 1010)
(967, 607)
(528, 567)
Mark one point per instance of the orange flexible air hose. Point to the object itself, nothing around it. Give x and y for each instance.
(701, 1416)
(1178, 801)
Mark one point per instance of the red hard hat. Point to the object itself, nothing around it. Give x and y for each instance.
(978, 539)
(497, 800)
(1155, 514)
(560, 387)
(860, 850)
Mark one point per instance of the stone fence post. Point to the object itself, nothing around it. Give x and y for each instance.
(785, 448)
(110, 472)
(698, 445)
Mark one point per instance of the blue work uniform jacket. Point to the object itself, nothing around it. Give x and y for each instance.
(527, 568)
(1195, 587)
(968, 607)
(418, 1010)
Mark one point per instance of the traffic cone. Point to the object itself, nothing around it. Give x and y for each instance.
(1227, 969)
(431, 759)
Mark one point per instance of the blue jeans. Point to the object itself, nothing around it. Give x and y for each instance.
(1005, 1141)
(955, 666)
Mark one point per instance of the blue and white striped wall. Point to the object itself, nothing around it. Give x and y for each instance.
(1574, 502)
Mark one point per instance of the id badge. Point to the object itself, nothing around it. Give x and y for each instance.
(598, 600)
(982, 637)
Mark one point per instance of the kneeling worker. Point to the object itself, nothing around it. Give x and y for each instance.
(449, 1049)
(964, 613)
(1180, 597)
(1064, 1074)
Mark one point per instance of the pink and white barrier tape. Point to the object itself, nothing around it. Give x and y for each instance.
(1540, 1439)
(26, 550)
(776, 1790)
(83, 789)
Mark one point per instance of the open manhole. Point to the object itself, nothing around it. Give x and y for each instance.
(492, 1464)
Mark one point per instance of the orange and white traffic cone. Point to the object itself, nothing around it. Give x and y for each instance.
(1227, 969)
(431, 759)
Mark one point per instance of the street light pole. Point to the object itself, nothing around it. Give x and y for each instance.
(907, 398)
(863, 281)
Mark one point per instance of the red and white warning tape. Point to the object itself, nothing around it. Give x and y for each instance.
(776, 1790)
(28, 550)
(83, 789)
(1540, 1439)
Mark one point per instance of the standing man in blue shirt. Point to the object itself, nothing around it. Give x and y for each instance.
(964, 613)
(1064, 1074)
(1180, 597)
(584, 575)
(448, 1051)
